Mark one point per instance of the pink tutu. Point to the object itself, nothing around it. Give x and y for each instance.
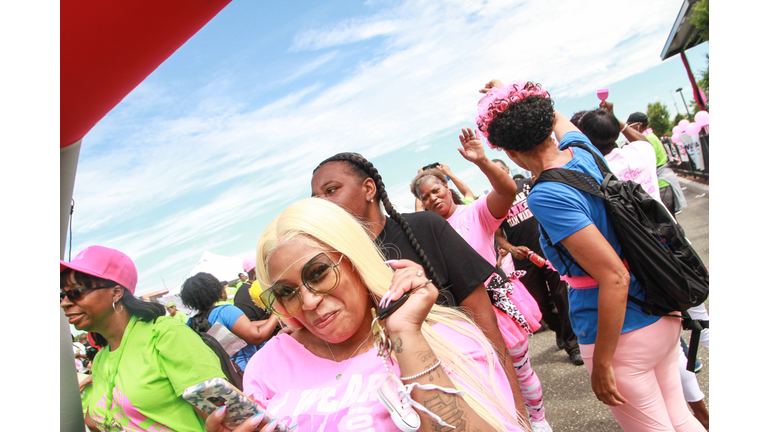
(510, 329)
(526, 304)
(523, 300)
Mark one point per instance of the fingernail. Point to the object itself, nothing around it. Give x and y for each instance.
(255, 420)
(271, 426)
(220, 412)
(389, 262)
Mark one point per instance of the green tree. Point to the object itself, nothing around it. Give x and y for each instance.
(658, 119)
(699, 18)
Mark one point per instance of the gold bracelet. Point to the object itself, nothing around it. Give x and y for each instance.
(421, 374)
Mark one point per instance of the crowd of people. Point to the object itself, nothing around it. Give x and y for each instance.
(353, 316)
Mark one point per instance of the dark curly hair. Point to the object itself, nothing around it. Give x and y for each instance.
(602, 128)
(524, 125)
(201, 292)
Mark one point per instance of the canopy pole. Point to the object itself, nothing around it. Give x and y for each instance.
(70, 406)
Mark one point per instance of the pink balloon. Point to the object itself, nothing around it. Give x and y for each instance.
(676, 130)
(693, 129)
(702, 118)
(675, 138)
(684, 123)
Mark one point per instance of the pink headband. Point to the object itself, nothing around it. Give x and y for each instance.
(497, 100)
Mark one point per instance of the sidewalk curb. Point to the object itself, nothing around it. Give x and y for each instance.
(694, 186)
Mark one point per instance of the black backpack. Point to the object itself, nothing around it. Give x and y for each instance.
(200, 324)
(670, 271)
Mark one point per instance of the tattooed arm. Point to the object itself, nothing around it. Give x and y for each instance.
(414, 354)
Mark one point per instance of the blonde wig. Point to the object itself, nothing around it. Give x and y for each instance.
(322, 223)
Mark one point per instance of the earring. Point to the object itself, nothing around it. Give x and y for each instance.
(371, 199)
(113, 308)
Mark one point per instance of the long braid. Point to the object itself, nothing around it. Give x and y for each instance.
(365, 169)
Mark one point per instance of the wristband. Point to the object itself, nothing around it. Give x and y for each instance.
(421, 374)
(625, 126)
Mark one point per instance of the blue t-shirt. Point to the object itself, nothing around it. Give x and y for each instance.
(227, 315)
(562, 211)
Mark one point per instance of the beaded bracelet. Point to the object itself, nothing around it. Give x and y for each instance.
(421, 374)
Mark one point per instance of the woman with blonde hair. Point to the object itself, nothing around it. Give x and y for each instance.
(323, 275)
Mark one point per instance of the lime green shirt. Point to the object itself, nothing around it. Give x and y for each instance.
(661, 154)
(159, 361)
(181, 316)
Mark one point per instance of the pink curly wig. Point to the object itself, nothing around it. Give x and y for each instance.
(498, 100)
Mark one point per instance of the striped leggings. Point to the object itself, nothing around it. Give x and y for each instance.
(529, 381)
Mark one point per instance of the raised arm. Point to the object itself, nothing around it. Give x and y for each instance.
(504, 188)
(460, 185)
(628, 131)
(416, 357)
(562, 126)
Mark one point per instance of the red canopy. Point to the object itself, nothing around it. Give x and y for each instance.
(109, 47)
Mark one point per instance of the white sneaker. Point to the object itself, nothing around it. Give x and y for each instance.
(391, 395)
(542, 426)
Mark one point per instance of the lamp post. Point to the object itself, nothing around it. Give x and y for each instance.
(673, 101)
(680, 90)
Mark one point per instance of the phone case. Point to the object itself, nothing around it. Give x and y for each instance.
(209, 395)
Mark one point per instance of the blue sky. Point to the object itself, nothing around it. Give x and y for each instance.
(225, 133)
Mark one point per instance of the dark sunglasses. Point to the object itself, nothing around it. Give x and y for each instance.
(77, 293)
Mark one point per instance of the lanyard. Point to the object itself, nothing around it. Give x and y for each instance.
(113, 374)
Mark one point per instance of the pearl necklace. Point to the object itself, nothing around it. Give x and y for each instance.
(350, 357)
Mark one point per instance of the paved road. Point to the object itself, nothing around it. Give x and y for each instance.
(568, 399)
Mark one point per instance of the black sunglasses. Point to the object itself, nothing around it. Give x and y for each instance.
(77, 293)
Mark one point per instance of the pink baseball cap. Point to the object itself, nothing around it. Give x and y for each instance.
(249, 263)
(105, 263)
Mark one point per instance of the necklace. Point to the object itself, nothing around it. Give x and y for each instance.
(109, 420)
(349, 359)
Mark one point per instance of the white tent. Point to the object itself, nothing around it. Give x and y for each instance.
(221, 267)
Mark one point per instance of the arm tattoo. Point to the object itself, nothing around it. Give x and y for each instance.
(399, 345)
(446, 406)
(425, 356)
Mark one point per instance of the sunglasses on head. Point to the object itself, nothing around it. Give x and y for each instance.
(77, 293)
(320, 276)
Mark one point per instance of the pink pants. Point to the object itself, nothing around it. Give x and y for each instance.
(647, 376)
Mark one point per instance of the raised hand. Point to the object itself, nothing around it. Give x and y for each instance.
(608, 106)
(473, 148)
(491, 84)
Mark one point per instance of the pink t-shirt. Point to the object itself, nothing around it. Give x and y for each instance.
(298, 387)
(475, 223)
(636, 161)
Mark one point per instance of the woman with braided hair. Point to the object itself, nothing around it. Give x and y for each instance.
(352, 182)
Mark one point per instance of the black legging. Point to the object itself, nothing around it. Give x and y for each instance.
(545, 286)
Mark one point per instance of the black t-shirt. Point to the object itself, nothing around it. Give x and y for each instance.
(244, 302)
(520, 227)
(460, 268)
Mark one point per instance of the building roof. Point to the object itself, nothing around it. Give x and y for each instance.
(683, 35)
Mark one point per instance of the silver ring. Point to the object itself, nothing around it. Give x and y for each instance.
(419, 273)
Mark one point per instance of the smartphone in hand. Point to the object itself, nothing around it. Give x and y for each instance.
(209, 395)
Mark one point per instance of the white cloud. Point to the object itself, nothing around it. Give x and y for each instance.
(191, 171)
